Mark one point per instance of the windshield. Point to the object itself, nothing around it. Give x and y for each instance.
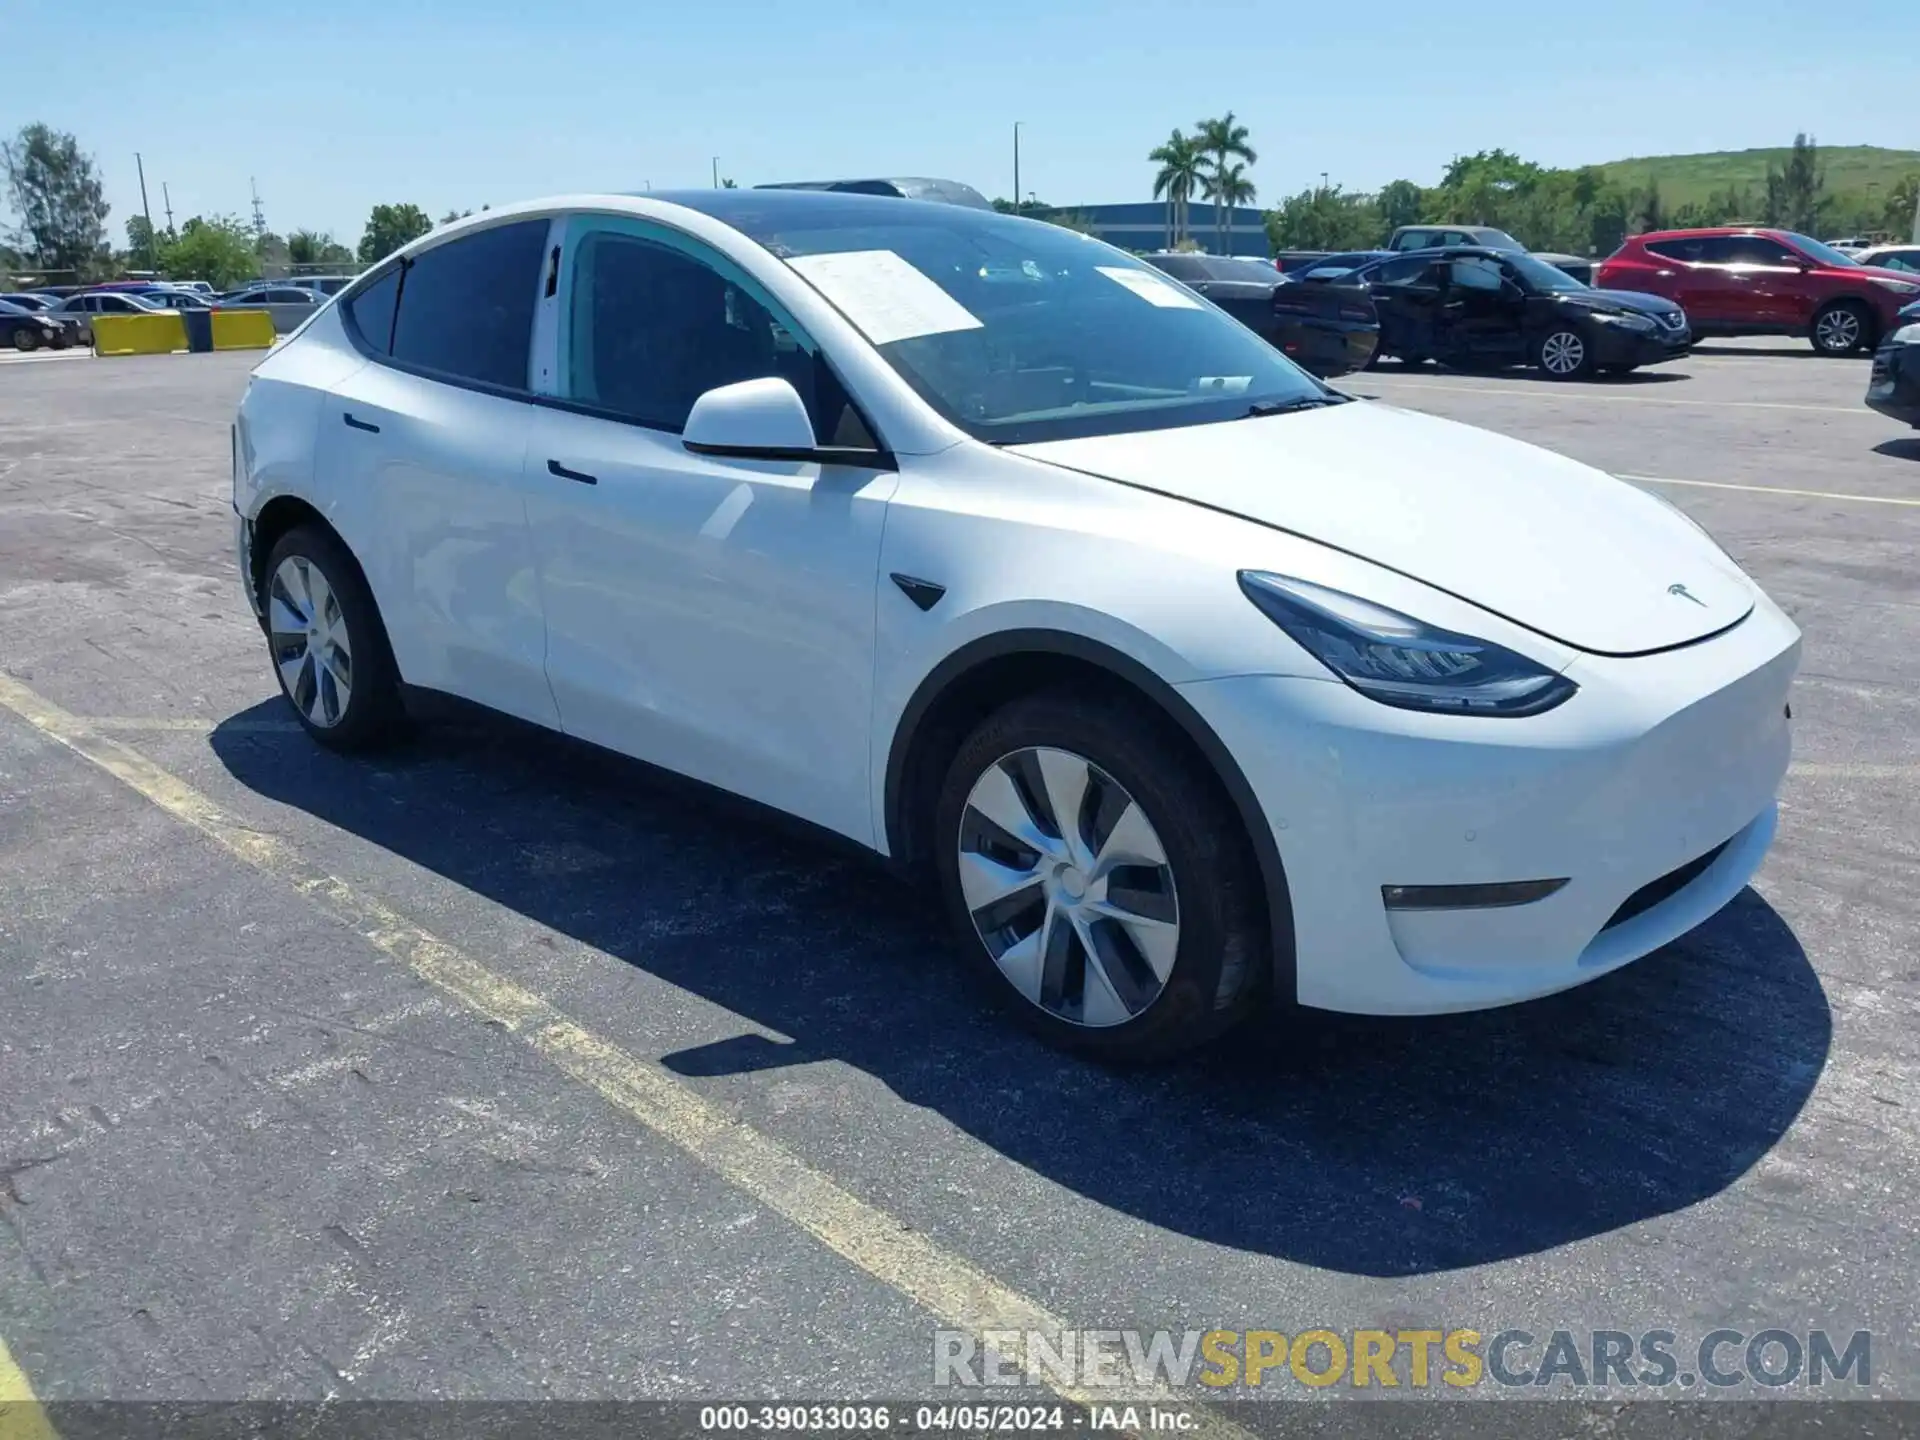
(1813, 249)
(1537, 274)
(1017, 330)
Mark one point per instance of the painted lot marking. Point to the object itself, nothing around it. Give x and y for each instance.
(1771, 490)
(953, 1289)
(21, 1417)
(1538, 391)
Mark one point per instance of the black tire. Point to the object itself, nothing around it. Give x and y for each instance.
(62, 341)
(1559, 342)
(1832, 334)
(373, 714)
(1220, 967)
(25, 337)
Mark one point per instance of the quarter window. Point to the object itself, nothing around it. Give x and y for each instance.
(651, 328)
(370, 310)
(466, 307)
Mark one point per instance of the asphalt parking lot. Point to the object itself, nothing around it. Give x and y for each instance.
(497, 1068)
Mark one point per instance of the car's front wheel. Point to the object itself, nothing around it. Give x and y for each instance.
(1098, 878)
(1564, 354)
(25, 337)
(1842, 328)
(328, 644)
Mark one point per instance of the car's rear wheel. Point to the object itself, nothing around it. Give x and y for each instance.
(1842, 328)
(1563, 353)
(1098, 879)
(25, 337)
(328, 644)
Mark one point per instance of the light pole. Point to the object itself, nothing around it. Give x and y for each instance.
(1016, 165)
(153, 249)
(716, 172)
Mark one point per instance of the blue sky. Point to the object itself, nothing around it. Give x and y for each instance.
(335, 105)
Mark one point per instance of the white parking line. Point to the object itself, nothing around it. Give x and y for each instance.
(1771, 490)
(36, 357)
(1536, 391)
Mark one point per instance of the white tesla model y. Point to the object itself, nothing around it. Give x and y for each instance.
(1189, 680)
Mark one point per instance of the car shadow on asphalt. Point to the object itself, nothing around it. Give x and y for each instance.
(1373, 1147)
(1905, 448)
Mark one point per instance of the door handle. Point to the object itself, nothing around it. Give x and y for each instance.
(366, 425)
(554, 467)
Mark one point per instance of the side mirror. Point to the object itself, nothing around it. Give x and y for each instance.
(765, 419)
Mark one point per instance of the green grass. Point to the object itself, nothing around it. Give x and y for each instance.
(1687, 179)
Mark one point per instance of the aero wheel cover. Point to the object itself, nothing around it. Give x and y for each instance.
(1068, 887)
(1839, 330)
(311, 649)
(1563, 353)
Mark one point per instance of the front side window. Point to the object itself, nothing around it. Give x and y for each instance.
(1476, 272)
(1759, 250)
(466, 306)
(653, 322)
(1398, 272)
(1823, 254)
(1017, 331)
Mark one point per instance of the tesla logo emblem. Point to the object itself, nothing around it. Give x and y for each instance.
(1686, 594)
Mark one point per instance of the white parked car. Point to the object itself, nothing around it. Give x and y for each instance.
(1188, 679)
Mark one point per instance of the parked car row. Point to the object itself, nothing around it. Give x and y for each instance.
(1327, 329)
(69, 316)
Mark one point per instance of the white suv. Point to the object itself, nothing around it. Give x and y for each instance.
(1188, 679)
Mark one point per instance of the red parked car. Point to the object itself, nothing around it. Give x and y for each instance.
(1746, 281)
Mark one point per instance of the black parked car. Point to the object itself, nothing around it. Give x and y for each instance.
(1339, 266)
(27, 329)
(1894, 387)
(1485, 307)
(1329, 329)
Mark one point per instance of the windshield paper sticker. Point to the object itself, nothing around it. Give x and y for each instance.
(884, 295)
(1150, 287)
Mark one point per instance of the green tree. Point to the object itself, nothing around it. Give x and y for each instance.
(1400, 202)
(1181, 176)
(389, 227)
(1901, 217)
(1232, 187)
(219, 249)
(143, 246)
(1796, 192)
(1324, 218)
(58, 198)
(726, 184)
(1223, 142)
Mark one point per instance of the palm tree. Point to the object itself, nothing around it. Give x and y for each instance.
(1182, 172)
(1231, 187)
(1222, 141)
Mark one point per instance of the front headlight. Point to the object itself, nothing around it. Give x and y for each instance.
(1625, 322)
(1400, 661)
(1906, 335)
(1899, 287)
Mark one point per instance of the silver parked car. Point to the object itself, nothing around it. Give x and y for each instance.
(289, 305)
(104, 302)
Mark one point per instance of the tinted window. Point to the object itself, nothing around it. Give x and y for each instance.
(1182, 267)
(1897, 260)
(370, 310)
(466, 307)
(1824, 254)
(1414, 240)
(1475, 272)
(1759, 250)
(651, 329)
(1688, 250)
(1398, 272)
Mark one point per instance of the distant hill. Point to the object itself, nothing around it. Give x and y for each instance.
(1685, 179)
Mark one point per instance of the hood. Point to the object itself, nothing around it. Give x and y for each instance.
(1544, 541)
(1637, 301)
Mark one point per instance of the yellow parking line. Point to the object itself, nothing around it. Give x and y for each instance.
(21, 1415)
(955, 1290)
(191, 724)
(1772, 490)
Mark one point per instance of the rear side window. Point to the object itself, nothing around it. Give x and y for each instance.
(370, 311)
(1688, 250)
(1398, 272)
(466, 307)
(1759, 250)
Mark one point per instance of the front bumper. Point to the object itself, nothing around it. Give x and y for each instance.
(1614, 345)
(1893, 388)
(1652, 765)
